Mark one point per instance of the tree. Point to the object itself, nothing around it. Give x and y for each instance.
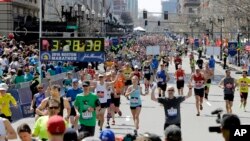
(126, 18)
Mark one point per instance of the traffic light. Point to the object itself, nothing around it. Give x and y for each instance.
(145, 14)
(159, 23)
(146, 22)
(165, 15)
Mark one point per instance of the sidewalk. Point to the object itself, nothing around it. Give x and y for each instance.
(220, 62)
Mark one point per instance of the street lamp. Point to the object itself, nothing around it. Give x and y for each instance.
(221, 20)
(211, 21)
(192, 33)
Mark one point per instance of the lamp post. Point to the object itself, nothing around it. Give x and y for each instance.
(192, 33)
(212, 28)
(221, 20)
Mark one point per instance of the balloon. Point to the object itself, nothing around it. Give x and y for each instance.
(11, 36)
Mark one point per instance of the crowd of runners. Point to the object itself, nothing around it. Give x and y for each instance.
(96, 95)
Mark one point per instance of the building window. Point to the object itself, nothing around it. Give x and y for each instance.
(190, 10)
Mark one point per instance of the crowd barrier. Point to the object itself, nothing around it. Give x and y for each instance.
(22, 94)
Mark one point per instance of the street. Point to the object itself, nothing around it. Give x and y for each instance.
(193, 128)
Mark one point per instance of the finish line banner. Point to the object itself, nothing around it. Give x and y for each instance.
(72, 49)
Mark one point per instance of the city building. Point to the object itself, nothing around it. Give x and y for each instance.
(169, 5)
(119, 6)
(15, 13)
(132, 7)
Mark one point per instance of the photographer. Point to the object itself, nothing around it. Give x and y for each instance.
(228, 122)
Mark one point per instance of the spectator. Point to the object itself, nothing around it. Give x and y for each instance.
(24, 132)
(58, 68)
(107, 135)
(5, 100)
(51, 70)
(56, 128)
(34, 83)
(173, 133)
(6, 130)
(19, 77)
(27, 75)
(70, 135)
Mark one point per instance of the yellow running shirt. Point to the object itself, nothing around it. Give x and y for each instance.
(5, 101)
(244, 84)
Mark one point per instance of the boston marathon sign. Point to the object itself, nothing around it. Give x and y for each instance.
(72, 49)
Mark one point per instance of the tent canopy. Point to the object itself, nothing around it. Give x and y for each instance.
(139, 29)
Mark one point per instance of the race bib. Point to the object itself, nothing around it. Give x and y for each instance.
(160, 79)
(134, 100)
(146, 72)
(87, 115)
(199, 84)
(180, 78)
(172, 112)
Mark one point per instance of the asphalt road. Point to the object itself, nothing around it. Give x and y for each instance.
(193, 128)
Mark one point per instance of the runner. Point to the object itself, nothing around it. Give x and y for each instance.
(147, 72)
(180, 79)
(100, 87)
(243, 84)
(5, 100)
(91, 71)
(199, 63)
(86, 105)
(228, 84)
(134, 91)
(199, 81)
(171, 105)
(109, 92)
(71, 96)
(162, 78)
(177, 61)
(115, 97)
(208, 74)
(7, 132)
(37, 99)
(127, 71)
(192, 62)
(54, 91)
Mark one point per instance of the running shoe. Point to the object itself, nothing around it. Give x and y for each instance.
(120, 113)
(113, 122)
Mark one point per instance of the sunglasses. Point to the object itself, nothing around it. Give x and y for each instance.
(171, 90)
(53, 108)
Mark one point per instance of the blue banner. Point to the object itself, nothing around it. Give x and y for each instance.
(72, 49)
(196, 43)
(26, 110)
(232, 48)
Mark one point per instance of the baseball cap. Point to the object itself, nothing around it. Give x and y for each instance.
(85, 83)
(74, 80)
(56, 125)
(230, 121)
(4, 86)
(70, 135)
(136, 67)
(173, 133)
(107, 135)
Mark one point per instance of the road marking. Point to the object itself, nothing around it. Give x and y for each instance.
(209, 104)
(127, 118)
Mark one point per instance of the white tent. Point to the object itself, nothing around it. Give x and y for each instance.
(139, 29)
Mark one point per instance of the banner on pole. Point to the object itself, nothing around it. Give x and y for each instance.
(212, 50)
(153, 50)
(72, 49)
(232, 48)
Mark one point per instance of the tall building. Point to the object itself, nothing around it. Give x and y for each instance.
(119, 6)
(188, 8)
(169, 5)
(132, 7)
